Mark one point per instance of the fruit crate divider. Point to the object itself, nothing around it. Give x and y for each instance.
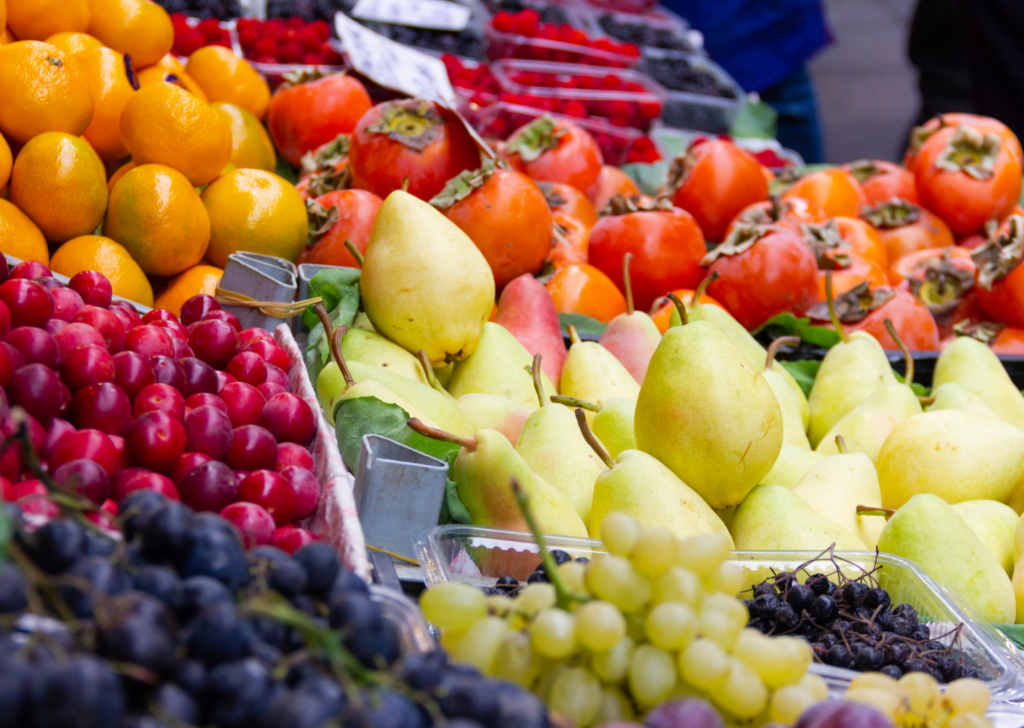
(262, 278)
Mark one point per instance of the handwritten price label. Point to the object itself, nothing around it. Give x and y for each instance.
(434, 14)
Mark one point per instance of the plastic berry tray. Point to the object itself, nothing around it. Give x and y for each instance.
(475, 31)
(670, 28)
(689, 110)
(511, 45)
(413, 633)
(480, 555)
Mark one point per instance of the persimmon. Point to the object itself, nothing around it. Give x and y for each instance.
(568, 200)
(663, 306)
(943, 280)
(336, 217)
(837, 191)
(610, 182)
(864, 308)
(920, 134)
(550, 151)
(848, 270)
(917, 264)
(791, 212)
(1000, 277)
(1002, 339)
(582, 288)
(325, 169)
(906, 228)
(847, 232)
(882, 180)
(570, 240)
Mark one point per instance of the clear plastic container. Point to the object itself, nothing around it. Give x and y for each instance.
(510, 45)
(480, 555)
(690, 109)
(468, 43)
(655, 28)
(413, 632)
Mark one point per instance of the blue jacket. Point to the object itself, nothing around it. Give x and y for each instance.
(759, 42)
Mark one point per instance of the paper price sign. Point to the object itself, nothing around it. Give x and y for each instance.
(434, 14)
(394, 65)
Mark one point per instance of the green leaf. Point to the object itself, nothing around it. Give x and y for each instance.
(1014, 632)
(786, 324)
(339, 287)
(755, 119)
(286, 170)
(919, 389)
(649, 177)
(803, 371)
(586, 327)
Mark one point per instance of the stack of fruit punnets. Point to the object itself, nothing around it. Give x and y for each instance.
(525, 35)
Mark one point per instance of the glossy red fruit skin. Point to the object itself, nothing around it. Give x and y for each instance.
(275, 375)
(149, 341)
(181, 349)
(213, 341)
(127, 313)
(132, 373)
(75, 335)
(290, 539)
(167, 371)
(108, 324)
(159, 314)
(205, 399)
(57, 429)
(209, 487)
(37, 389)
(145, 480)
(5, 319)
(66, 303)
(6, 367)
(54, 325)
(85, 478)
(248, 367)
(159, 398)
(256, 525)
(89, 444)
(155, 440)
(87, 365)
(270, 350)
(7, 491)
(195, 308)
(29, 269)
(104, 407)
(120, 450)
(29, 303)
(37, 346)
(254, 334)
(307, 490)
(269, 390)
(272, 491)
(223, 380)
(208, 430)
(289, 453)
(253, 448)
(225, 316)
(200, 377)
(289, 419)
(244, 402)
(172, 328)
(188, 462)
(93, 287)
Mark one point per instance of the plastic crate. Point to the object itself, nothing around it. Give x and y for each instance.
(510, 45)
(690, 110)
(473, 37)
(480, 555)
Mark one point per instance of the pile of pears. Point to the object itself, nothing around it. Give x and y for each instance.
(698, 430)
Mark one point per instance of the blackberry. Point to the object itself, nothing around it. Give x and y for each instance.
(892, 671)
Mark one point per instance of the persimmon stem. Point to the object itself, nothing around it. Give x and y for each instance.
(334, 338)
(573, 402)
(581, 420)
(695, 299)
(907, 357)
(627, 284)
(831, 302)
(538, 385)
(416, 426)
(351, 248)
(679, 307)
(574, 335)
(774, 347)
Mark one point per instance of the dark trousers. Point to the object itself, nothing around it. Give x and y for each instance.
(993, 30)
(795, 102)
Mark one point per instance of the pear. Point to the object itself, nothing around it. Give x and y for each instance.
(1018, 593)
(792, 413)
(362, 321)
(372, 348)
(553, 447)
(593, 374)
(1018, 541)
(929, 532)
(956, 456)
(994, 524)
(791, 465)
(424, 284)
(973, 366)
(612, 423)
(951, 396)
(631, 337)
(708, 414)
(492, 412)
(527, 311)
(773, 518)
(444, 375)
(837, 485)
(498, 366)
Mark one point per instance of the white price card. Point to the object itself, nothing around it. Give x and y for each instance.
(394, 65)
(434, 14)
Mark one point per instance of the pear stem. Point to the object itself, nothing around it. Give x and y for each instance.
(334, 342)
(432, 432)
(351, 248)
(841, 445)
(405, 184)
(563, 596)
(831, 302)
(573, 402)
(875, 511)
(581, 420)
(927, 400)
(428, 372)
(627, 284)
(574, 335)
(679, 307)
(907, 357)
(695, 298)
(538, 385)
(774, 347)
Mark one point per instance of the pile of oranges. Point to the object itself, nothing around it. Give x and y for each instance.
(116, 156)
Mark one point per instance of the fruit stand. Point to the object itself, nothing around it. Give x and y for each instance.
(469, 363)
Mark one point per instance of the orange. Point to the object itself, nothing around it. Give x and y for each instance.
(582, 288)
(157, 215)
(251, 147)
(60, 183)
(158, 74)
(197, 279)
(164, 124)
(170, 63)
(5, 162)
(121, 172)
(19, 236)
(7, 37)
(110, 77)
(140, 28)
(255, 211)
(3, 17)
(95, 252)
(73, 42)
(42, 90)
(224, 76)
(39, 19)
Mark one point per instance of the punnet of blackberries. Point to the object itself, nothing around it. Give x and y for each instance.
(167, 622)
(852, 623)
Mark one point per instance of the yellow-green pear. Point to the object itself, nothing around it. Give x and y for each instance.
(444, 375)
(994, 524)
(493, 412)
(954, 455)
(951, 396)
(498, 366)
(553, 446)
(632, 336)
(973, 366)
(372, 348)
(424, 284)
(929, 532)
(837, 485)
(593, 374)
(773, 518)
(362, 321)
(612, 423)
(791, 465)
(792, 405)
(708, 414)
(866, 426)
(370, 388)
(1018, 593)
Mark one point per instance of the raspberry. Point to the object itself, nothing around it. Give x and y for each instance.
(322, 29)
(312, 59)
(331, 56)
(620, 109)
(309, 39)
(575, 109)
(526, 22)
(649, 110)
(265, 47)
(610, 82)
(502, 21)
(290, 52)
(247, 37)
(210, 28)
(190, 42)
(295, 23)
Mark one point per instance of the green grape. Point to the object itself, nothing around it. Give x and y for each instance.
(678, 585)
(727, 579)
(722, 618)
(515, 660)
(612, 666)
(453, 605)
(537, 597)
(546, 676)
(500, 605)
(615, 707)
(599, 625)
(671, 626)
(576, 694)
(450, 638)
(573, 574)
(619, 532)
(789, 703)
(816, 685)
(553, 634)
(922, 690)
(614, 580)
(480, 643)
(653, 552)
(887, 702)
(652, 675)
(743, 693)
(703, 553)
(776, 660)
(970, 720)
(967, 695)
(704, 664)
